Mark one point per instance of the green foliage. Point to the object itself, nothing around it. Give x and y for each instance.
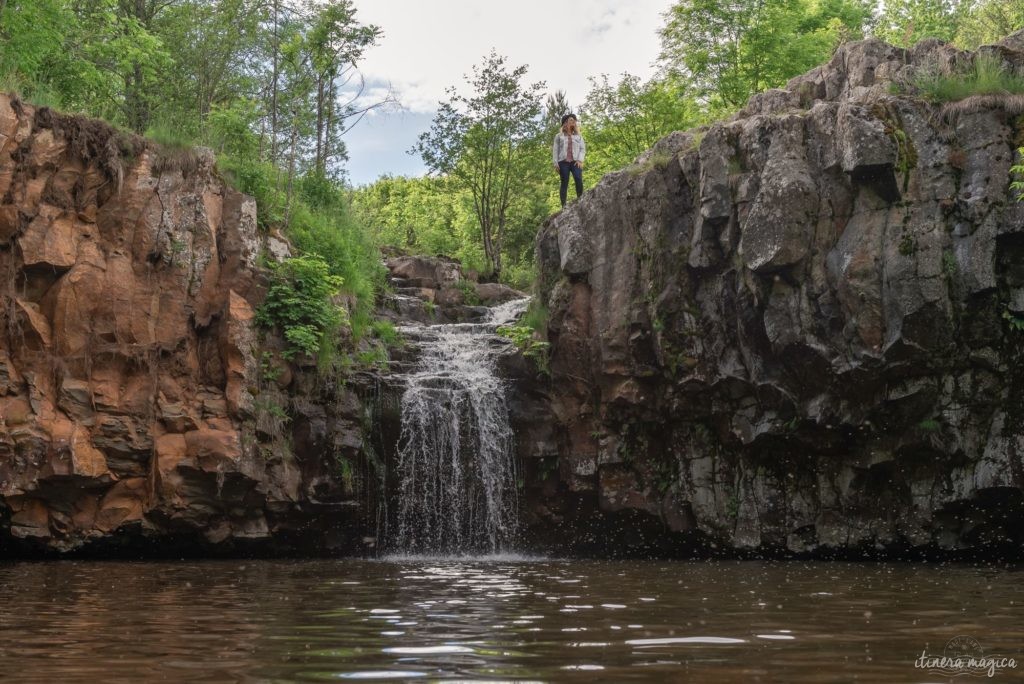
(524, 337)
(324, 225)
(269, 370)
(468, 290)
(376, 356)
(988, 21)
(905, 22)
(520, 274)
(729, 51)
(320, 223)
(261, 180)
(386, 332)
(169, 136)
(263, 84)
(488, 143)
(555, 107)
(626, 119)
(271, 409)
(229, 129)
(985, 75)
(422, 215)
(1017, 173)
(1014, 320)
(536, 318)
(300, 304)
(928, 425)
(732, 506)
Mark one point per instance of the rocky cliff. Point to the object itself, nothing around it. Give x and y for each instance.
(132, 403)
(799, 330)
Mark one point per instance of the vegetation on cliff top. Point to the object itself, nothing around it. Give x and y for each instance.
(714, 57)
(272, 86)
(269, 86)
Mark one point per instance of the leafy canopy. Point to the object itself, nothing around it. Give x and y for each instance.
(487, 142)
(731, 50)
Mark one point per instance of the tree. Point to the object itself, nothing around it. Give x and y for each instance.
(489, 143)
(335, 44)
(989, 21)
(212, 46)
(91, 55)
(555, 107)
(732, 50)
(627, 118)
(905, 22)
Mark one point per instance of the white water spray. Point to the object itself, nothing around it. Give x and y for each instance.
(457, 490)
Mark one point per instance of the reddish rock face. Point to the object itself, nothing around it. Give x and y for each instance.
(127, 349)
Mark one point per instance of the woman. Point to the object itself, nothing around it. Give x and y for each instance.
(567, 152)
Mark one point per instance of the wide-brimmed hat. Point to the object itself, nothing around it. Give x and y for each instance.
(567, 117)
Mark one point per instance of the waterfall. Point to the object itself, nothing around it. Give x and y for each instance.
(457, 474)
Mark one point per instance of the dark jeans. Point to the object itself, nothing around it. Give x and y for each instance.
(564, 169)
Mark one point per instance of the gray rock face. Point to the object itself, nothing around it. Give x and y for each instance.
(801, 333)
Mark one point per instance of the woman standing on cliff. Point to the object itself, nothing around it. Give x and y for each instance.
(567, 152)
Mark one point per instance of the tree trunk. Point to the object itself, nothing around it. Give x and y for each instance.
(320, 125)
(136, 107)
(329, 125)
(273, 91)
(497, 244)
(291, 172)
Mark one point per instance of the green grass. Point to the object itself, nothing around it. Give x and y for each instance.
(170, 136)
(386, 332)
(39, 94)
(986, 75)
(319, 222)
(657, 160)
(536, 317)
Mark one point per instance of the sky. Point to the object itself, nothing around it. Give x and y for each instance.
(430, 45)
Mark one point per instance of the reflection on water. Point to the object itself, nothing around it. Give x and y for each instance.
(497, 619)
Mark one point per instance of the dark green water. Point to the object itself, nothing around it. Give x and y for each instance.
(499, 620)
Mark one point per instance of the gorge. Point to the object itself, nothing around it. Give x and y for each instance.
(793, 332)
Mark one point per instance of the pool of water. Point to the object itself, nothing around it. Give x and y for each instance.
(501, 619)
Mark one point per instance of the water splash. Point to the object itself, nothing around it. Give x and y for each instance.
(457, 490)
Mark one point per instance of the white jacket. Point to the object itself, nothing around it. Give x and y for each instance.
(560, 148)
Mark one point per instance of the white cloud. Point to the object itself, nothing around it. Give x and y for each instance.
(428, 46)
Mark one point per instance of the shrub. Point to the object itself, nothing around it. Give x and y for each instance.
(468, 290)
(520, 275)
(299, 303)
(532, 348)
(320, 222)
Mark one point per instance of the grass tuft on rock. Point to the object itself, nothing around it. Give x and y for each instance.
(986, 77)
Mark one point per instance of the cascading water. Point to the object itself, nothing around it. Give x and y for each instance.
(457, 474)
